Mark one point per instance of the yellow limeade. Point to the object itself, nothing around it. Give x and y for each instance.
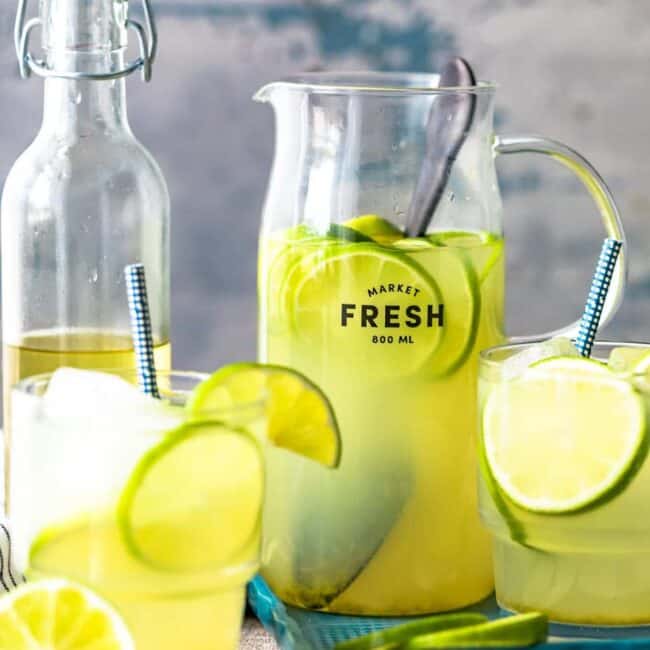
(389, 327)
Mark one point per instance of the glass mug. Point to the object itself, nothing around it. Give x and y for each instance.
(390, 328)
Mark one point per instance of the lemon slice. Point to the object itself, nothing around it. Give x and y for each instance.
(394, 636)
(59, 615)
(378, 229)
(510, 632)
(300, 417)
(567, 435)
(194, 501)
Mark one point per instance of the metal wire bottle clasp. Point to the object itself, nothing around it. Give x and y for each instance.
(147, 39)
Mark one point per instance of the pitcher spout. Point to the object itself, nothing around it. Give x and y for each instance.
(265, 94)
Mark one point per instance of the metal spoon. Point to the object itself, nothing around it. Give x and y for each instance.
(449, 123)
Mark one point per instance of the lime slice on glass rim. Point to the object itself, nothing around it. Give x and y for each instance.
(566, 436)
(194, 500)
(300, 416)
(510, 632)
(395, 636)
(57, 614)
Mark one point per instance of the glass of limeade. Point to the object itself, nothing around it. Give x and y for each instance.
(565, 480)
(389, 324)
(156, 512)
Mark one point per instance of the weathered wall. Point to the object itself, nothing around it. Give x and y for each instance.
(577, 71)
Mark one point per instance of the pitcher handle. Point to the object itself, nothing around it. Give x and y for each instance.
(600, 193)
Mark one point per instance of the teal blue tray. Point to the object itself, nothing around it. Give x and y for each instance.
(299, 629)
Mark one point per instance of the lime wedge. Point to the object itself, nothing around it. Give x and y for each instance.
(363, 279)
(300, 417)
(395, 636)
(511, 632)
(59, 615)
(194, 501)
(378, 229)
(452, 269)
(567, 435)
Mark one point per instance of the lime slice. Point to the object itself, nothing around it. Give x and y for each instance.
(487, 248)
(500, 500)
(300, 417)
(339, 231)
(279, 254)
(572, 365)
(59, 615)
(194, 501)
(339, 300)
(395, 636)
(627, 359)
(378, 229)
(567, 435)
(452, 269)
(511, 632)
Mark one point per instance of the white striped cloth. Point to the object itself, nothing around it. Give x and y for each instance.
(9, 576)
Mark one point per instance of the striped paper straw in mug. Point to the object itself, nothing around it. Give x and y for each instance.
(136, 291)
(597, 294)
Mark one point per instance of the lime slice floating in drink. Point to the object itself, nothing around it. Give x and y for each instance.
(376, 228)
(567, 435)
(193, 502)
(363, 279)
(345, 233)
(458, 283)
(488, 247)
(510, 632)
(396, 636)
(60, 615)
(300, 417)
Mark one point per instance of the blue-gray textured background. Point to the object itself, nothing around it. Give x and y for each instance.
(577, 71)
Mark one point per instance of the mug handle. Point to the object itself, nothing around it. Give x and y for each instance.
(600, 193)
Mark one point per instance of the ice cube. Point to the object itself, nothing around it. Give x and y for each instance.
(87, 393)
(625, 359)
(555, 347)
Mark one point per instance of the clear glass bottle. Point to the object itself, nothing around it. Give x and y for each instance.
(85, 199)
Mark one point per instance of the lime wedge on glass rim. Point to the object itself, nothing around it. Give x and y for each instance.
(300, 416)
(565, 436)
(194, 500)
(57, 614)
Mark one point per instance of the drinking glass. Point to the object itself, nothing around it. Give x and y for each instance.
(586, 561)
(110, 490)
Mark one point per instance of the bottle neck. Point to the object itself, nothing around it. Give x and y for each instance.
(84, 107)
(84, 37)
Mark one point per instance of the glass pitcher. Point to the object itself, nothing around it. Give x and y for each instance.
(390, 328)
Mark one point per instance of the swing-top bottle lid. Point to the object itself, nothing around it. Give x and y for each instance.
(93, 30)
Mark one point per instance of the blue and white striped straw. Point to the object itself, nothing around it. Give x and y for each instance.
(136, 291)
(597, 294)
